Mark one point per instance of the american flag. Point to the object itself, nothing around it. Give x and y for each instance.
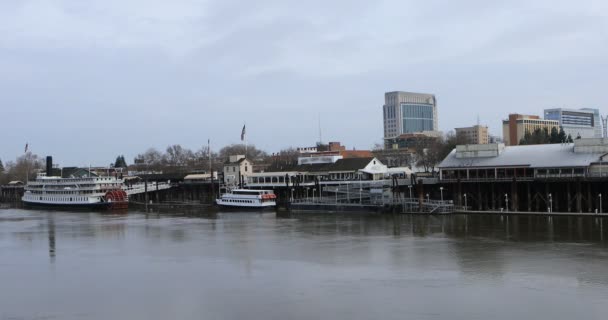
(243, 134)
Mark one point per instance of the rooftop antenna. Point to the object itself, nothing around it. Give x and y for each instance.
(605, 126)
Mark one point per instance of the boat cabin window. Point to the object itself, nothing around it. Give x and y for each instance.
(243, 192)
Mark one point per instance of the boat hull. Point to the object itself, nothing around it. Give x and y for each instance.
(99, 205)
(240, 208)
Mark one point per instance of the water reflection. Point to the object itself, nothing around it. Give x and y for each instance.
(198, 264)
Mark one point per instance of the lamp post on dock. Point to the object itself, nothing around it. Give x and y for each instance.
(292, 194)
(307, 194)
(441, 190)
(428, 199)
(465, 202)
(600, 195)
(313, 194)
(550, 202)
(507, 201)
(410, 187)
(337, 188)
(360, 197)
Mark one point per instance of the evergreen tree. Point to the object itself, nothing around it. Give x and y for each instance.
(569, 139)
(1, 167)
(554, 138)
(120, 162)
(562, 135)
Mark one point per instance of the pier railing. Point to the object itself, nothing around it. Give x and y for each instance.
(404, 205)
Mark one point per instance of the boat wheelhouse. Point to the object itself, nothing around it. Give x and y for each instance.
(245, 198)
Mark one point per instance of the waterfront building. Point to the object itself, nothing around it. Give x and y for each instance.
(584, 123)
(548, 177)
(237, 168)
(473, 135)
(514, 128)
(408, 112)
(328, 170)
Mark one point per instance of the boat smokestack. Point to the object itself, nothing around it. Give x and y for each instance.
(49, 166)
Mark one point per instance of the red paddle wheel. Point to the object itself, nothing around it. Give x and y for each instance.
(118, 199)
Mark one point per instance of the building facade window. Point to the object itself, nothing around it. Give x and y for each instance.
(417, 117)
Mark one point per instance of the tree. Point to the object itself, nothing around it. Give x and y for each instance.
(569, 139)
(285, 158)
(24, 168)
(562, 135)
(430, 153)
(542, 136)
(239, 149)
(120, 162)
(178, 156)
(1, 167)
(554, 137)
(152, 159)
(378, 146)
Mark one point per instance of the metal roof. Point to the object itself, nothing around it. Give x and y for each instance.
(535, 156)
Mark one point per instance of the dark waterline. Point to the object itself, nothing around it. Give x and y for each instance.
(197, 265)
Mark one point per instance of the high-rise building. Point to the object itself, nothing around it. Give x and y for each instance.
(576, 123)
(407, 112)
(514, 129)
(473, 135)
(582, 122)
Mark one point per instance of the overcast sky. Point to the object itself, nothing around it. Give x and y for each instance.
(86, 81)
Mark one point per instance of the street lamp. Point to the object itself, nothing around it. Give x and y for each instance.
(337, 188)
(441, 190)
(465, 202)
(550, 202)
(292, 194)
(428, 199)
(600, 195)
(307, 194)
(410, 187)
(313, 194)
(507, 201)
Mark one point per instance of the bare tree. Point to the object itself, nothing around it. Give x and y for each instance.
(178, 156)
(251, 152)
(25, 167)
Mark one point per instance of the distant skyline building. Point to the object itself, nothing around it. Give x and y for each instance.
(476, 134)
(409, 112)
(514, 128)
(577, 122)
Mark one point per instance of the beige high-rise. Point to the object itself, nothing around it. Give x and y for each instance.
(473, 135)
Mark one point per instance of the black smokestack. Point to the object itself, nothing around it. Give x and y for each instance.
(49, 166)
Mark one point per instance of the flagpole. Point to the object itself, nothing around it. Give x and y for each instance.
(246, 141)
(27, 166)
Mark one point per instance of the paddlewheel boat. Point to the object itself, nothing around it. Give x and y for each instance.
(83, 192)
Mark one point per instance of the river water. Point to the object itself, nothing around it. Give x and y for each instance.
(197, 265)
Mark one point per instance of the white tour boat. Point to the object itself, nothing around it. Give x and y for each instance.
(245, 198)
(84, 192)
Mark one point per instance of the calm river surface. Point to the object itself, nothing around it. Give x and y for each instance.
(81, 265)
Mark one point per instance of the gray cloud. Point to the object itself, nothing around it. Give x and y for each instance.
(86, 81)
